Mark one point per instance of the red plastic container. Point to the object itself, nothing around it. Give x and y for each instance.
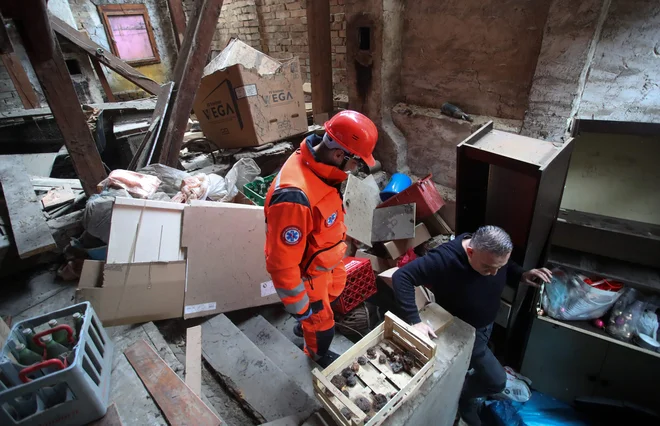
(360, 284)
(423, 193)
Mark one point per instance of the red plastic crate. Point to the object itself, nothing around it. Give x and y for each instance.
(423, 193)
(360, 284)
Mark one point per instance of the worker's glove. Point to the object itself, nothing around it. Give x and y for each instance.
(308, 313)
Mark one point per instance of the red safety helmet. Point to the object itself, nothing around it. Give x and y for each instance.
(355, 133)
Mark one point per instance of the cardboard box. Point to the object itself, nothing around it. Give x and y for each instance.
(378, 264)
(247, 98)
(423, 296)
(400, 247)
(133, 293)
(226, 261)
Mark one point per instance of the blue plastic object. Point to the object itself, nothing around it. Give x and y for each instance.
(398, 183)
(540, 410)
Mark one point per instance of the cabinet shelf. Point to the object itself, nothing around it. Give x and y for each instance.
(638, 276)
(585, 327)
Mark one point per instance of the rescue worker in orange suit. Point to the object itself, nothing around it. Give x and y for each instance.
(305, 229)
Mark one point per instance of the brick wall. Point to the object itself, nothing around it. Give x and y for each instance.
(279, 29)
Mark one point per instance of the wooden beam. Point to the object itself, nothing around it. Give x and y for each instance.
(320, 58)
(187, 76)
(178, 20)
(104, 56)
(21, 81)
(103, 79)
(178, 403)
(58, 88)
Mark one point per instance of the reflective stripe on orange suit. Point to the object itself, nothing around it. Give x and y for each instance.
(305, 246)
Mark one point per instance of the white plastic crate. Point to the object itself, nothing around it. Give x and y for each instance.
(75, 395)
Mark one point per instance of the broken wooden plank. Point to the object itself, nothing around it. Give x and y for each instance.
(103, 79)
(44, 183)
(104, 56)
(194, 359)
(21, 81)
(58, 89)
(253, 378)
(179, 404)
(178, 20)
(111, 418)
(31, 233)
(158, 117)
(139, 105)
(360, 200)
(320, 58)
(57, 197)
(393, 223)
(187, 76)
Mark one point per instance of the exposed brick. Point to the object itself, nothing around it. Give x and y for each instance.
(278, 22)
(342, 33)
(293, 6)
(337, 41)
(286, 42)
(278, 7)
(336, 9)
(334, 34)
(298, 13)
(271, 28)
(294, 21)
(298, 27)
(336, 26)
(338, 17)
(282, 14)
(340, 49)
(299, 42)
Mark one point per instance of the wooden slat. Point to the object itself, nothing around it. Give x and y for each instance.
(376, 380)
(21, 81)
(194, 359)
(31, 233)
(322, 380)
(103, 79)
(320, 58)
(104, 56)
(158, 116)
(179, 404)
(187, 76)
(111, 418)
(178, 20)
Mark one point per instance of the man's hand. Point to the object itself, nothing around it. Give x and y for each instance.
(424, 329)
(543, 274)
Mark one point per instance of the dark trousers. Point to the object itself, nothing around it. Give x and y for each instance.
(489, 376)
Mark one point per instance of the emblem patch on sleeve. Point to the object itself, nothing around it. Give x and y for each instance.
(331, 220)
(291, 235)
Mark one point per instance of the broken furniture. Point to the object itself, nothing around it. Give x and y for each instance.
(516, 183)
(607, 227)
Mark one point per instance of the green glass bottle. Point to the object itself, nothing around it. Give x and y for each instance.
(78, 321)
(28, 333)
(60, 336)
(26, 356)
(53, 349)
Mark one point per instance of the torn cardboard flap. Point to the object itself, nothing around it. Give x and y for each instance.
(132, 293)
(238, 53)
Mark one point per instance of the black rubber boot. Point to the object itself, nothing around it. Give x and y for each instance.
(297, 329)
(469, 411)
(327, 359)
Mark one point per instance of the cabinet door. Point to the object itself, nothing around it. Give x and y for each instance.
(631, 376)
(561, 362)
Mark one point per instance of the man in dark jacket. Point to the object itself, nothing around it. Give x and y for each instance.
(467, 276)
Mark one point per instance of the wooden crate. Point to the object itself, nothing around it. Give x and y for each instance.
(375, 378)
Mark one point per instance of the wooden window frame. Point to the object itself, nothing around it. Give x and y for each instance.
(123, 10)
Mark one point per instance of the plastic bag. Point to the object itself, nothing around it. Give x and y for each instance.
(244, 171)
(195, 187)
(406, 258)
(217, 188)
(170, 177)
(568, 297)
(626, 314)
(98, 213)
(137, 184)
(517, 387)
